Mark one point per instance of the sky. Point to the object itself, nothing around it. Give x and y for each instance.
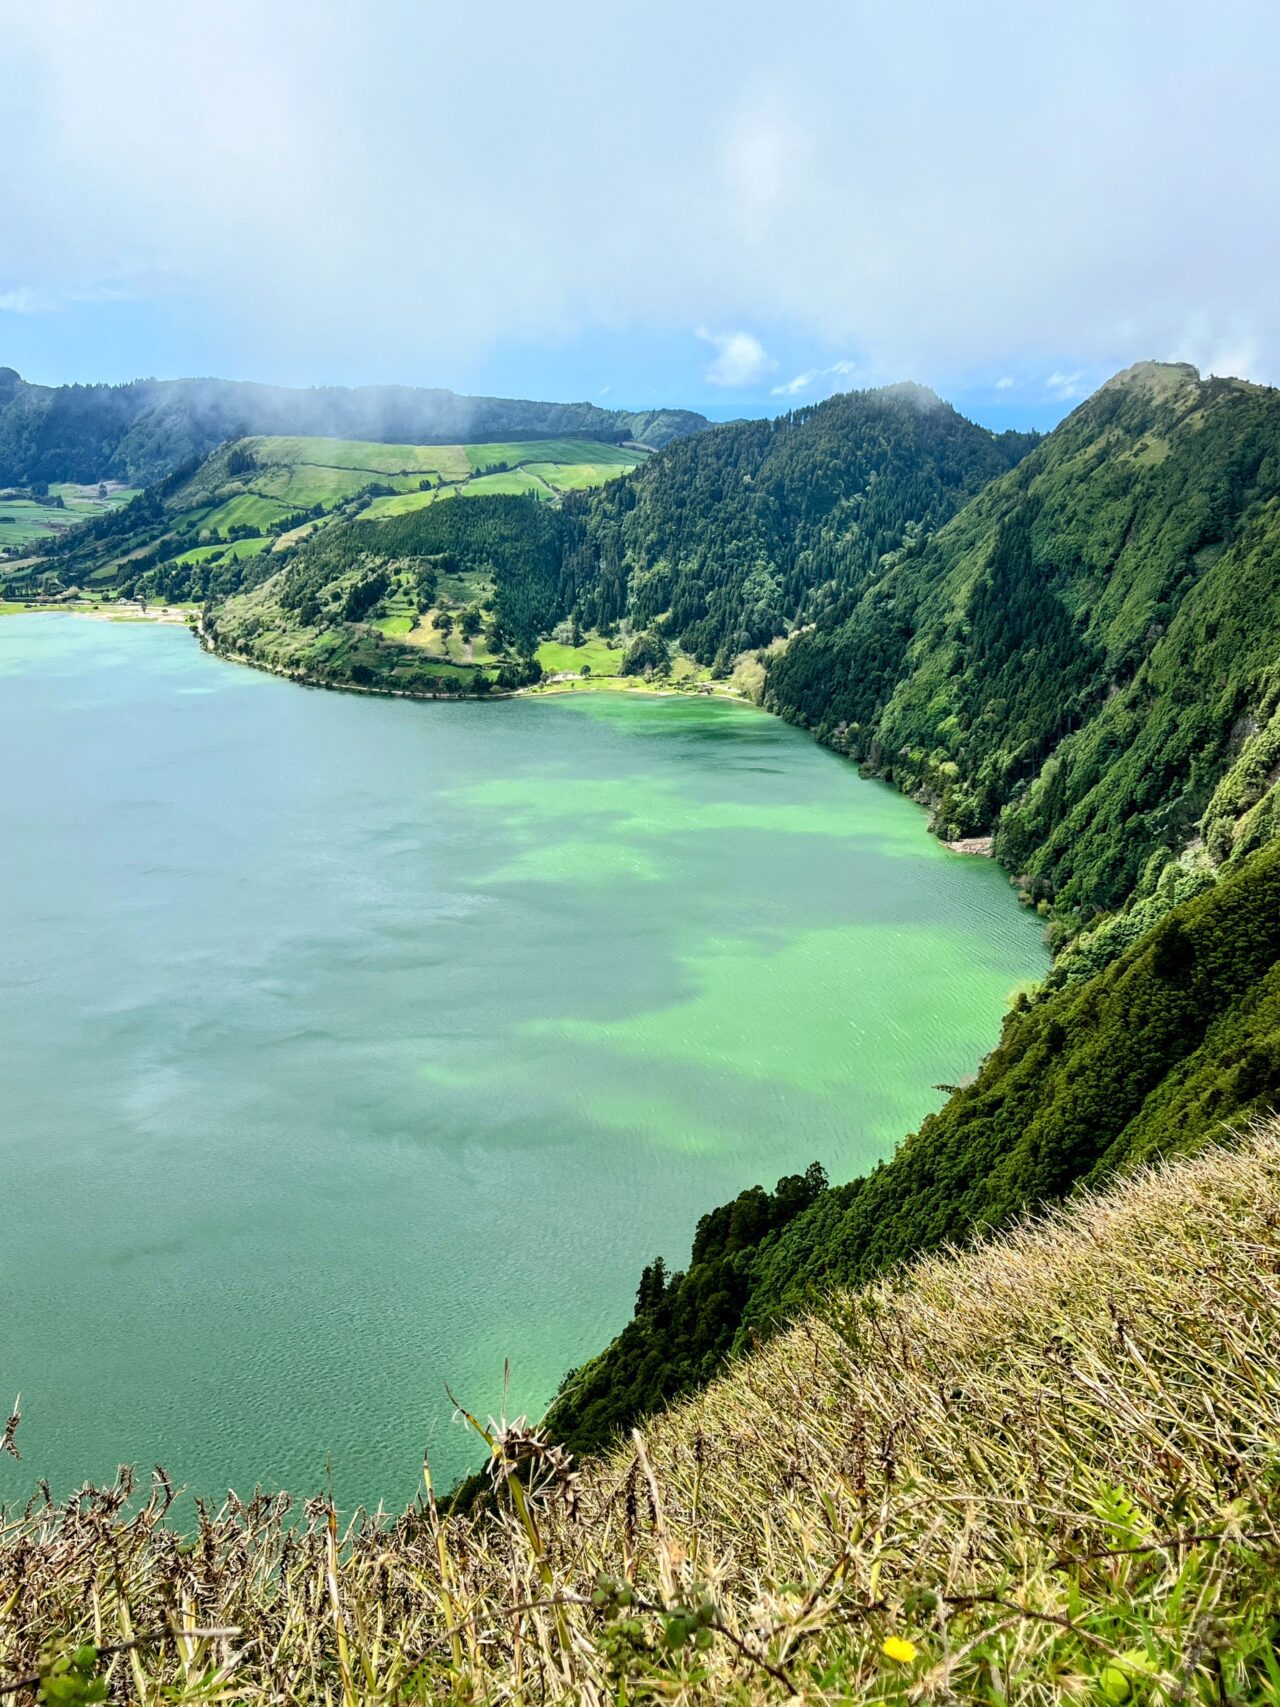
(733, 207)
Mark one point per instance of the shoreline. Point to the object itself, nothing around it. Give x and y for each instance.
(973, 847)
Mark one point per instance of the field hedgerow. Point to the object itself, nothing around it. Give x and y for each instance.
(1045, 1469)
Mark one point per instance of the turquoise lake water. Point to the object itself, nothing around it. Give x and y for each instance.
(352, 1046)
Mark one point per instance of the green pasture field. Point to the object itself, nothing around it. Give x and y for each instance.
(402, 503)
(602, 660)
(246, 510)
(513, 483)
(237, 551)
(84, 500)
(303, 484)
(448, 461)
(23, 521)
(571, 451)
(574, 476)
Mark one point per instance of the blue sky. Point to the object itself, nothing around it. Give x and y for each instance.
(733, 207)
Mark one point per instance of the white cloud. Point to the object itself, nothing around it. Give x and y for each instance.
(814, 378)
(793, 387)
(1066, 386)
(1004, 383)
(22, 300)
(299, 195)
(763, 160)
(740, 359)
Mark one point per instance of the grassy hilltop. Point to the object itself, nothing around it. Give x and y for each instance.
(1046, 1470)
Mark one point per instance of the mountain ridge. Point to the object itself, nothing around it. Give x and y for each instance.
(143, 429)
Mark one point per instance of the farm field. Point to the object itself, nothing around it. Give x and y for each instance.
(402, 502)
(617, 457)
(513, 482)
(246, 509)
(30, 521)
(90, 500)
(598, 656)
(367, 457)
(572, 476)
(234, 553)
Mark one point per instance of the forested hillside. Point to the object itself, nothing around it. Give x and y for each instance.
(1081, 660)
(729, 541)
(377, 603)
(142, 431)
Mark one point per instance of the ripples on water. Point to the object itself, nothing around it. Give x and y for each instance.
(351, 1046)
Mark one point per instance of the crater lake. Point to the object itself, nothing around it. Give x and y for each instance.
(352, 1046)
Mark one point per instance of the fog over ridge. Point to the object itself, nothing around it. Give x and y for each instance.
(666, 206)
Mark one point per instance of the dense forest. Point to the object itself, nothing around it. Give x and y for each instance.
(142, 431)
(1077, 662)
(769, 524)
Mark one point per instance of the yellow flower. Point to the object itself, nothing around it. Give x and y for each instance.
(900, 1649)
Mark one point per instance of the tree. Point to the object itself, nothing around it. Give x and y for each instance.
(647, 655)
(653, 1285)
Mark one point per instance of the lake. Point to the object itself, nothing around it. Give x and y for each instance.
(350, 1046)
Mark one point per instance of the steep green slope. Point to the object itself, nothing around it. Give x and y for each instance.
(142, 431)
(729, 539)
(1153, 1054)
(1080, 658)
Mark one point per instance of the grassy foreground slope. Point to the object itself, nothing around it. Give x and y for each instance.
(1045, 1470)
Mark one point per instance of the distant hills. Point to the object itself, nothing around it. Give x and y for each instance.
(139, 432)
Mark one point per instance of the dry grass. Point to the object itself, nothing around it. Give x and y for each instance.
(1043, 1470)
